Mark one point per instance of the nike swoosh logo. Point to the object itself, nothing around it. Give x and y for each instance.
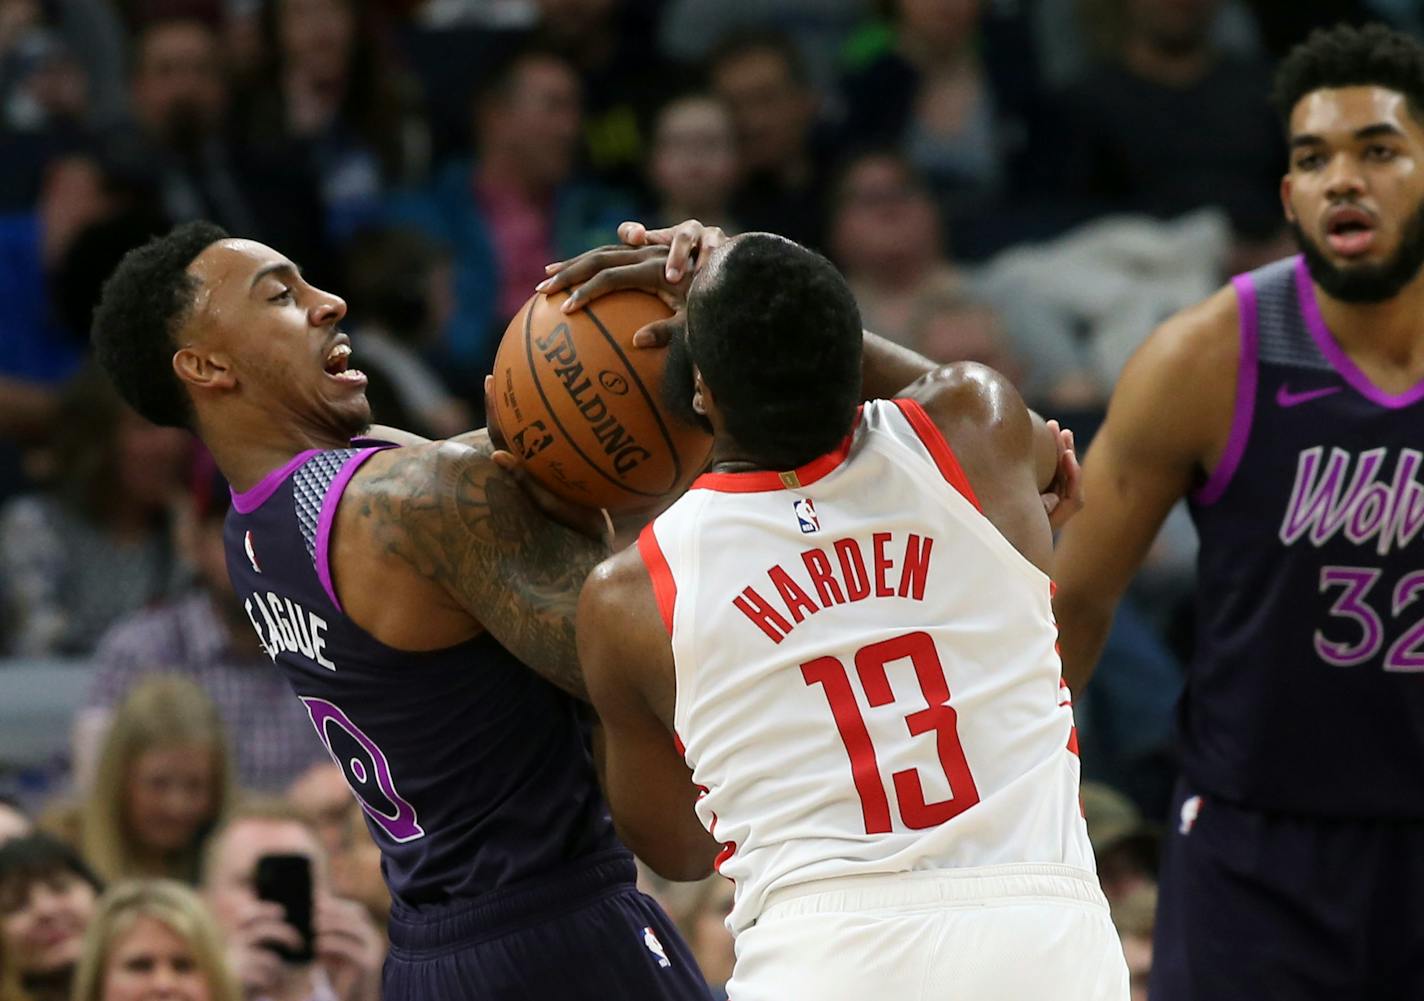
(1285, 398)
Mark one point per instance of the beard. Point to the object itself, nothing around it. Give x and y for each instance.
(1367, 283)
(679, 382)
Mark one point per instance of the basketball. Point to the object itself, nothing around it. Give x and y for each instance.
(582, 407)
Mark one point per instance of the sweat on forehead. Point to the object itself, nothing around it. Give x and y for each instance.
(232, 268)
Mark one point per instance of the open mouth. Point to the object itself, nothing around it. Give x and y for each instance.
(338, 366)
(1350, 231)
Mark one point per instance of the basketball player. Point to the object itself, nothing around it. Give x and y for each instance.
(845, 626)
(1289, 409)
(422, 609)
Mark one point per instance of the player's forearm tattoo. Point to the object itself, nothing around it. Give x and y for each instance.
(460, 522)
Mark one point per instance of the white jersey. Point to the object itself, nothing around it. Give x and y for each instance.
(867, 674)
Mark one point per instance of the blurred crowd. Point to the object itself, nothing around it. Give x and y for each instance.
(1033, 184)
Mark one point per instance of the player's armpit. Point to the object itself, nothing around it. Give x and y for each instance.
(627, 658)
(1169, 418)
(446, 511)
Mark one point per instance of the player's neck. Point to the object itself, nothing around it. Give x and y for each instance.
(1386, 332)
(729, 457)
(245, 459)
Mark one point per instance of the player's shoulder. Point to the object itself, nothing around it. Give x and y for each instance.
(973, 405)
(1176, 395)
(622, 576)
(409, 474)
(1194, 342)
(965, 391)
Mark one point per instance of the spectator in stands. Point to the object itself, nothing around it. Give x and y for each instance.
(1135, 918)
(61, 72)
(47, 897)
(14, 822)
(764, 82)
(204, 635)
(955, 325)
(694, 166)
(1124, 845)
(322, 797)
(400, 299)
(324, 800)
(1168, 123)
(954, 90)
(329, 95)
(349, 949)
(180, 95)
(162, 784)
(97, 545)
(152, 940)
(36, 353)
(689, 29)
(708, 937)
(885, 236)
(612, 45)
(518, 207)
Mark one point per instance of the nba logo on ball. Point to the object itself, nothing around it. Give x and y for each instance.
(806, 516)
(656, 947)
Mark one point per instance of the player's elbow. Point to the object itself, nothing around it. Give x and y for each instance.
(680, 859)
(682, 868)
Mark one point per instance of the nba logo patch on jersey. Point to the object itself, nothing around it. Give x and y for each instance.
(1191, 809)
(656, 947)
(251, 553)
(806, 516)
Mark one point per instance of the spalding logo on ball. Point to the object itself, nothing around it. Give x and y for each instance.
(582, 407)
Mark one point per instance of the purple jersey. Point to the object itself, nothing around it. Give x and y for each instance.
(474, 772)
(1306, 694)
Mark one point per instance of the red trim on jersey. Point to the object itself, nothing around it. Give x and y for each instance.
(1073, 740)
(763, 480)
(664, 587)
(729, 848)
(940, 451)
(681, 747)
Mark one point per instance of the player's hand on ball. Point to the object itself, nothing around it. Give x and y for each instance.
(1064, 496)
(654, 261)
(592, 522)
(689, 243)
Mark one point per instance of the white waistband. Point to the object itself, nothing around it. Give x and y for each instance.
(947, 887)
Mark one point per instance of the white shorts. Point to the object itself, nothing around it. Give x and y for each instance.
(997, 933)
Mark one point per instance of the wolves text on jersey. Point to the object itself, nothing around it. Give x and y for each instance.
(838, 573)
(1322, 505)
(289, 627)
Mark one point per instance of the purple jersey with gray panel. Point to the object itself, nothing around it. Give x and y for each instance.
(1306, 694)
(474, 773)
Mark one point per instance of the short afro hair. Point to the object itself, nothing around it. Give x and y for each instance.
(143, 305)
(776, 334)
(1346, 56)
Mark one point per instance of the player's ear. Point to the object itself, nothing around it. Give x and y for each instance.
(199, 368)
(701, 395)
(1285, 198)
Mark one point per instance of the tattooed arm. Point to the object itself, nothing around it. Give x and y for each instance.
(447, 512)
